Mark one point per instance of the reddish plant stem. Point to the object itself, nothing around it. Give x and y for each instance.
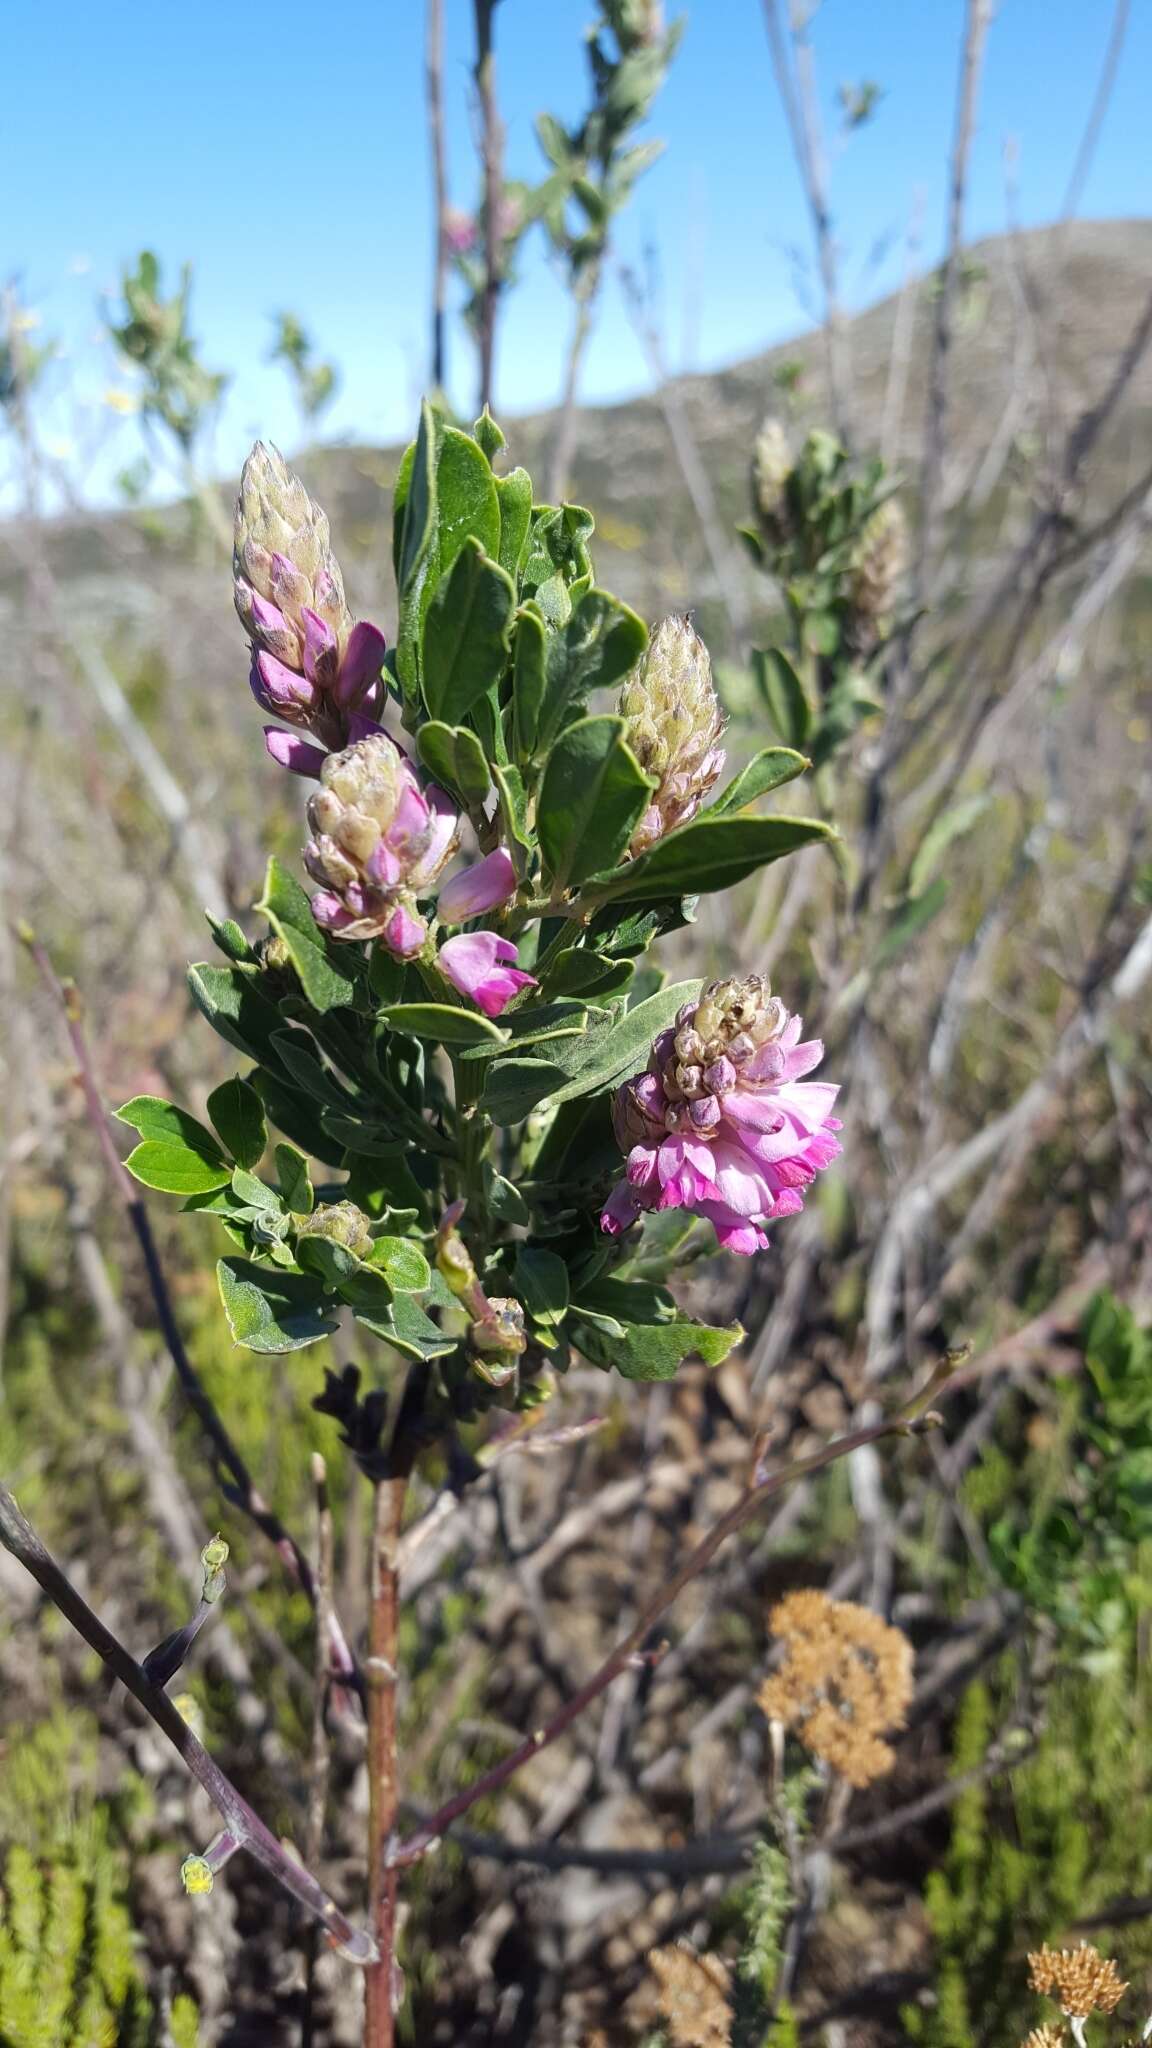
(380, 1679)
(759, 1494)
(243, 1493)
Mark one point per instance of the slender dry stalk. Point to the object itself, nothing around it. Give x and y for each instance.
(243, 1492)
(903, 327)
(721, 554)
(1098, 110)
(977, 22)
(492, 157)
(434, 86)
(382, 1981)
(796, 81)
(563, 446)
(320, 1761)
(19, 1538)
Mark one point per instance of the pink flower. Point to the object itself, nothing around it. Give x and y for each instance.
(721, 1122)
(459, 230)
(490, 882)
(378, 842)
(477, 964)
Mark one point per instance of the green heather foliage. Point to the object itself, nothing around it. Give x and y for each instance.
(70, 1972)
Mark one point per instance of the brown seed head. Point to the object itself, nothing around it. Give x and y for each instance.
(1044, 2037)
(693, 1996)
(877, 572)
(845, 1681)
(1079, 1980)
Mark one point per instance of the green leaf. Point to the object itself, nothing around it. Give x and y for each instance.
(592, 796)
(455, 758)
(911, 918)
(514, 497)
(513, 814)
(579, 971)
(653, 1351)
(505, 1200)
(529, 679)
(512, 1088)
(443, 1024)
(602, 641)
(152, 1117)
(951, 824)
(231, 939)
(541, 1281)
(231, 1001)
(488, 435)
(711, 853)
(413, 546)
(766, 770)
(331, 1262)
(272, 1311)
(784, 696)
(466, 633)
(398, 1318)
(254, 1192)
(536, 1022)
(295, 1185)
(289, 911)
(467, 507)
(402, 1263)
(177, 1169)
(238, 1114)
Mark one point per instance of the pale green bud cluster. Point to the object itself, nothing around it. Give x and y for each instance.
(282, 557)
(674, 725)
(878, 569)
(637, 23)
(341, 1223)
(772, 465)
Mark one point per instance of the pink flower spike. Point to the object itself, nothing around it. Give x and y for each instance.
(279, 689)
(478, 965)
(361, 666)
(485, 886)
(293, 753)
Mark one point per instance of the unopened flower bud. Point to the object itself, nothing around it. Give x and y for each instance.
(341, 1223)
(378, 841)
(485, 886)
(674, 726)
(500, 1333)
(310, 665)
(637, 23)
(877, 572)
(454, 1264)
(771, 468)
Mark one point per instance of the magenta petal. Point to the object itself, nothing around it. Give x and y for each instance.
(620, 1210)
(362, 663)
(405, 933)
(329, 912)
(293, 753)
(321, 650)
(478, 889)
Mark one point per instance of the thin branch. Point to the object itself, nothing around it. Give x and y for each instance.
(381, 1676)
(1099, 109)
(434, 83)
(560, 460)
(320, 1763)
(243, 1493)
(799, 98)
(492, 152)
(721, 554)
(20, 1539)
(632, 1643)
(979, 16)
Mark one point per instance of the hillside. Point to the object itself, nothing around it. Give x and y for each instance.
(1043, 317)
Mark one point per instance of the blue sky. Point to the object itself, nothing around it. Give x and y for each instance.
(281, 149)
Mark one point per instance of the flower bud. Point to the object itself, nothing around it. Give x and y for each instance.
(378, 841)
(310, 665)
(637, 23)
(341, 1223)
(485, 886)
(877, 571)
(499, 1333)
(771, 468)
(674, 725)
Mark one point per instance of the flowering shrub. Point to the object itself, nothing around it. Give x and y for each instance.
(459, 1022)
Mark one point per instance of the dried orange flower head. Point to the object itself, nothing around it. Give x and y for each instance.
(1045, 2037)
(845, 1681)
(693, 1997)
(1079, 1980)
